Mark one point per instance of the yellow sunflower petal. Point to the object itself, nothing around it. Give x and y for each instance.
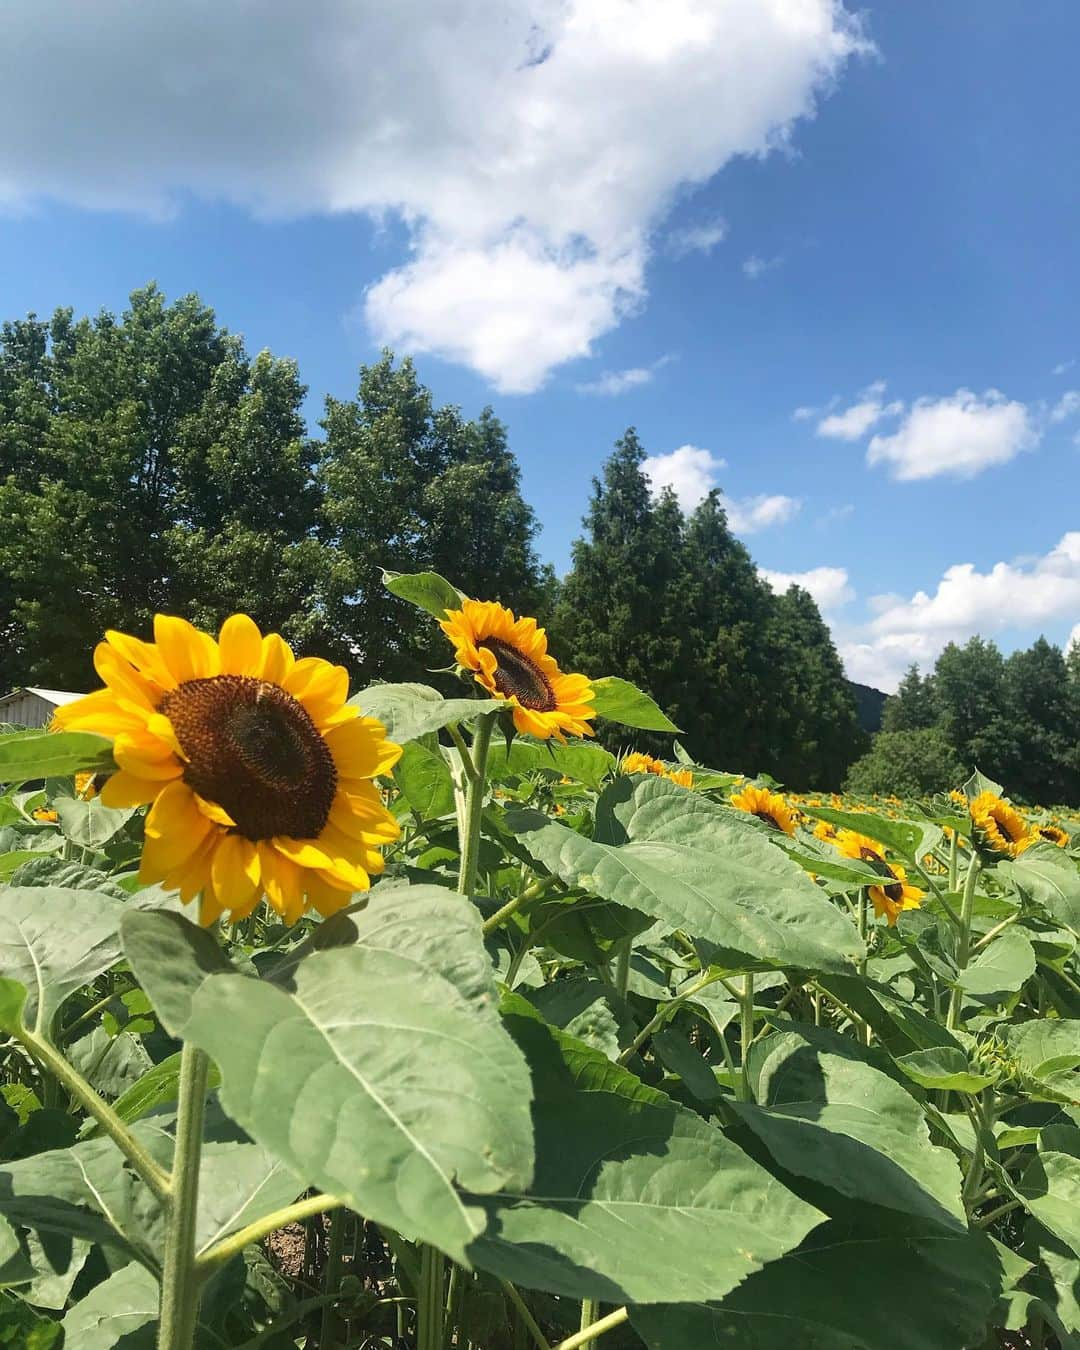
(187, 653)
(143, 656)
(360, 748)
(175, 829)
(124, 789)
(125, 682)
(145, 757)
(100, 712)
(214, 811)
(240, 643)
(283, 882)
(327, 897)
(277, 659)
(235, 872)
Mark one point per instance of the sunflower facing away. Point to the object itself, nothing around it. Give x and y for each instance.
(509, 657)
(1052, 834)
(638, 763)
(767, 806)
(892, 897)
(1001, 827)
(258, 772)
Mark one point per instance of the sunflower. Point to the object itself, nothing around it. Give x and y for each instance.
(509, 657)
(958, 797)
(258, 772)
(638, 763)
(46, 816)
(767, 806)
(1002, 828)
(1052, 834)
(825, 830)
(86, 785)
(891, 897)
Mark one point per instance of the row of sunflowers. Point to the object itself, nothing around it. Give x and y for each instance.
(408, 1019)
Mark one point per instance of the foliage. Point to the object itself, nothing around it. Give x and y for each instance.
(906, 764)
(679, 606)
(1017, 718)
(627, 1058)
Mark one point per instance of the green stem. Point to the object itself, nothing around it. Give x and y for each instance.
(980, 1124)
(963, 941)
(622, 965)
(666, 1011)
(954, 872)
(589, 1308)
(180, 1286)
(985, 1220)
(255, 1232)
(525, 1315)
(430, 1309)
(530, 893)
(463, 750)
(332, 1279)
(746, 1035)
(591, 1333)
(474, 805)
(77, 1086)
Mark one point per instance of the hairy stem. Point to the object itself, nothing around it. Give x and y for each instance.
(180, 1285)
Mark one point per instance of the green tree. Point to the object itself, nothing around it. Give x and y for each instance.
(913, 707)
(1044, 726)
(969, 687)
(409, 486)
(913, 763)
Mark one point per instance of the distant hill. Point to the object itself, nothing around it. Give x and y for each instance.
(869, 704)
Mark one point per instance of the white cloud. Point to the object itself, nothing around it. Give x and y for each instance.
(689, 471)
(1074, 638)
(961, 435)
(532, 148)
(829, 586)
(700, 238)
(614, 382)
(751, 514)
(834, 515)
(854, 422)
(1021, 595)
(804, 413)
(755, 266)
(1066, 406)
(1062, 367)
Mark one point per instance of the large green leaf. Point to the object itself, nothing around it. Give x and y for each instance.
(51, 754)
(426, 590)
(944, 1069)
(374, 1075)
(48, 870)
(172, 958)
(88, 823)
(1050, 1186)
(620, 701)
(423, 778)
(631, 1190)
(1000, 969)
(1051, 879)
(693, 865)
(409, 711)
(910, 838)
(119, 1314)
(52, 942)
(825, 1114)
(159, 1086)
(580, 760)
(1047, 1056)
(848, 1287)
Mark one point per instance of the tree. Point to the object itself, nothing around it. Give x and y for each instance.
(411, 487)
(147, 465)
(914, 763)
(913, 706)
(969, 688)
(1044, 727)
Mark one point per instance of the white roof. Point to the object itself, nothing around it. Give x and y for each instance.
(57, 697)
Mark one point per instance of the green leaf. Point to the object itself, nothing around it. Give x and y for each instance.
(122, 1311)
(88, 823)
(976, 785)
(409, 711)
(911, 839)
(1000, 969)
(698, 868)
(48, 870)
(943, 1068)
(827, 1115)
(52, 754)
(630, 1189)
(581, 1006)
(1050, 1186)
(110, 1064)
(848, 1287)
(158, 1087)
(423, 778)
(382, 1074)
(580, 760)
(1047, 1054)
(171, 957)
(1050, 879)
(426, 590)
(618, 700)
(52, 942)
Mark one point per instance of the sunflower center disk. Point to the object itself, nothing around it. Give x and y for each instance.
(253, 749)
(517, 677)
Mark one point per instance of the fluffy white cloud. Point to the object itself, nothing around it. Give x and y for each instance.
(689, 471)
(614, 382)
(962, 435)
(751, 514)
(700, 238)
(854, 422)
(1017, 595)
(1074, 638)
(828, 585)
(755, 266)
(1062, 367)
(1066, 406)
(531, 147)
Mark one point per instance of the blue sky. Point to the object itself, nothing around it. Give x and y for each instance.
(825, 261)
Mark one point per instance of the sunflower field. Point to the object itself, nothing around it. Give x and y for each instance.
(406, 1020)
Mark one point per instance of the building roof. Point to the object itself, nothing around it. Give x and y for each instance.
(57, 697)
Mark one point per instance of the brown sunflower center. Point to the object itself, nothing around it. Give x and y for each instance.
(767, 816)
(253, 749)
(518, 677)
(895, 892)
(1011, 828)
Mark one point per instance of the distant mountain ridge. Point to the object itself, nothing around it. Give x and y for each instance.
(869, 705)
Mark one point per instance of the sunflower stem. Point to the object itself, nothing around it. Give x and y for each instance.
(474, 805)
(180, 1284)
(746, 1035)
(430, 1307)
(593, 1332)
(332, 1280)
(963, 941)
(622, 966)
(225, 1250)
